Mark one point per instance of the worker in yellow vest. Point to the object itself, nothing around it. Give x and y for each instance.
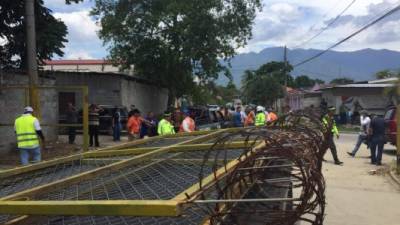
(260, 116)
(329, 123)
(28, 131)
(165, 126)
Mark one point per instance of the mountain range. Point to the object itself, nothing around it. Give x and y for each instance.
(358, 65)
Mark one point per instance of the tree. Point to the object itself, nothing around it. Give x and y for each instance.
(50, 33)
(342, 80)
(173, 41)
(386, 74)
(264, 85)
(305, 81)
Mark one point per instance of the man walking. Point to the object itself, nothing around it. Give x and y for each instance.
(363, 135)
(27, 129)
(329, 122)
(377, 132)
(116, 124)
(72, 118)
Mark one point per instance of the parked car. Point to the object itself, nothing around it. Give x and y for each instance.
(391, 125)
(207, 118)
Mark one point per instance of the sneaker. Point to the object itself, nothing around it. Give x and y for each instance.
(338, 163)
(350, 154)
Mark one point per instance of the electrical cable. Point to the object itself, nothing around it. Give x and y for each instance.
(327, 26)
(397, 8)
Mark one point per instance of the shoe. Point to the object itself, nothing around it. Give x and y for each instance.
(338, 163)
(373, 163)
(350, 154)
(379, 164)
(324, 160)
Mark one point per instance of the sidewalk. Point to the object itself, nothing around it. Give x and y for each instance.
(354, 197)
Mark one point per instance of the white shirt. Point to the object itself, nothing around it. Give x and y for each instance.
(185, 125)
(365, 122)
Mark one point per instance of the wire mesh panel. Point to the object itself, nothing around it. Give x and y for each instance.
(35, 178)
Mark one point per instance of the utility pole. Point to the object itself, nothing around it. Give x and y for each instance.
(31, 65)
(286, 64)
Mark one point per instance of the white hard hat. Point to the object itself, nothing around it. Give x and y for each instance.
(259, 108)
(28, 109)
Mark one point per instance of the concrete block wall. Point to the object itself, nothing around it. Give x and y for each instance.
(144, 96)
(12, 103)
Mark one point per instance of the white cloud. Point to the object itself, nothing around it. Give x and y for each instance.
(78, 54)
(289, 22)
(80, 26)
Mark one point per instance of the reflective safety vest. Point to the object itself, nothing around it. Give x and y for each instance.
(26, 132)
(260, 119)
(329, 121)
(191, 123)
(165, 127)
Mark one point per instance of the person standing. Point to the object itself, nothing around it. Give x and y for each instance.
(72, 118)
(116, 124)
(272, 115)
(149, 129)
(363, 135)
(377, 132)
(188, 124)
(165, 125)
(329, 122)
(94, 123)
(238, 119)
(27, 129)
(249, 121)
(134, 124)
(260, 116)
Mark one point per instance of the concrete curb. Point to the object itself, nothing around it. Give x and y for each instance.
(394, 177)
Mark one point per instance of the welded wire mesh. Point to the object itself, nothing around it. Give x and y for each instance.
(14, 184)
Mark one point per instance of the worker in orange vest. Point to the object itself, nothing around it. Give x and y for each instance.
(272, 115)
(188, 124)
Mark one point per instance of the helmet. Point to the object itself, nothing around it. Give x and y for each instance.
(259, 108)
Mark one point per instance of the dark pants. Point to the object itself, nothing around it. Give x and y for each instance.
(332, 147)
(94, 134)
(117, 132)
(377, 144)
(71, 134)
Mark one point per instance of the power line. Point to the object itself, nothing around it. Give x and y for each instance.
(327, 26)
(397, 8)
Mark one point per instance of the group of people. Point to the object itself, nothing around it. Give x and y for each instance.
(253, 117)
(372, 133)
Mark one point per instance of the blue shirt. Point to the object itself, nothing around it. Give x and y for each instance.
(237, 119)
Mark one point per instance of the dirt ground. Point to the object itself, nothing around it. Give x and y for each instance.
(57, 149)
(359, 193)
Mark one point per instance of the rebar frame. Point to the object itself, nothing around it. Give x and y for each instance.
(269, 175)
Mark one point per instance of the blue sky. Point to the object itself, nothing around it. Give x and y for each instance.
(281, 22)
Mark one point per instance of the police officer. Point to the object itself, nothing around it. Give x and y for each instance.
(260, 116)
(165, 126)
(329, 121)
(28, 131)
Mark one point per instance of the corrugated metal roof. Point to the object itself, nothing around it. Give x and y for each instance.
(361, 86)
(78, 62)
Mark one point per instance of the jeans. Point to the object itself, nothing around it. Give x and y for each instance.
(377, 149)
(25, 153)
(94, 134)
(360, 140)
(117, 132)
(71, 134)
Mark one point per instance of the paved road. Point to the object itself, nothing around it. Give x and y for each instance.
(354, 197)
